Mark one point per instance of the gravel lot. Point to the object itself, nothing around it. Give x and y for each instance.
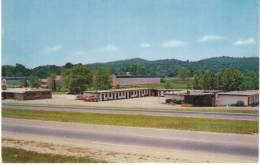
(146, 102)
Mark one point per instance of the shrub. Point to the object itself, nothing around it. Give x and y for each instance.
(239, 104)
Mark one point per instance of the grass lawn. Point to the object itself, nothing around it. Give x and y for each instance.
(181, 123)
(13, 155)
(175, 109)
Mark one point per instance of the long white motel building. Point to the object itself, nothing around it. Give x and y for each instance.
(116, 94)
(127, 93)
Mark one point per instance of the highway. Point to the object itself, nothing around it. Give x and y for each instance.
(243, 146)
(214, 115)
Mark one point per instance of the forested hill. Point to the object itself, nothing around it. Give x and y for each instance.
(166, 67)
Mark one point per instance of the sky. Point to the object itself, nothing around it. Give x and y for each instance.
(43, 32)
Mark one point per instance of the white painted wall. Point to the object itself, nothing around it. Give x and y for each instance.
(224, 100)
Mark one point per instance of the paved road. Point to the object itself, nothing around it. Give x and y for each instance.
(230, 116)
(218, 143)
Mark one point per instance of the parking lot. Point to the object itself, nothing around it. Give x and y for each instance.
(144, 102)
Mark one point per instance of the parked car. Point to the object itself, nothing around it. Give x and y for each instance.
(89, 98)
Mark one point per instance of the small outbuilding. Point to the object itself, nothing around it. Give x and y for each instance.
(199, 99)
(192, 98)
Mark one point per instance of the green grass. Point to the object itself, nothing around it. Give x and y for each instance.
(247, 110)
(181, 123)
(13, 155)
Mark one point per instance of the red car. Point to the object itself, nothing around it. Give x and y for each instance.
(89, 98)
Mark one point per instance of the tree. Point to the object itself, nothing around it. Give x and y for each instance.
(196, 82)
(34, 82)
(183, 72)
(231, 79)
(25, 82)
(21, 71)
(250, 81)
(52, 82)
(77, 79)
(102, 79)
(206, 80)
(68, 65)
(136, 69)
(168, 84)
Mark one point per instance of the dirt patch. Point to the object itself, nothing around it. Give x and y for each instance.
(115, 157)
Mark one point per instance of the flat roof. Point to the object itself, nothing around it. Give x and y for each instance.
(241, 93)
(116, 90)
(23, 90)
(192, 93)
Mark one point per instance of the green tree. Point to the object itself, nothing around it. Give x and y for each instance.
(25, 82)
(77, 79)
(196, 82)
(206, 80)
(102, 79)
(21, 71)
(33, 82)
(231, 79)
(183, 73)
(136, 69)
(52, 82)
(168, 84)
(68, 65)
(250, 81)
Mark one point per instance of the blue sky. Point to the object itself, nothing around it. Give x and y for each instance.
(38, 32)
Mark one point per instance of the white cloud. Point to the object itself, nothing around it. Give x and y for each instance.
(108, 48)
(174, 44)
(208, 38)
(249, 41)
(52, 49)
(145, 45)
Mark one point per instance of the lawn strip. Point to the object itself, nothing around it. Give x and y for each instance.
(188, 109)
(14, 155)
(180, 123)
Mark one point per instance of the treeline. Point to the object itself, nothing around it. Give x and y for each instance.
(169, 67)
(228, 80)
(137, 66)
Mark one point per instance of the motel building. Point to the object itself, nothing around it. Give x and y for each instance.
(248, 97)
(116, 94)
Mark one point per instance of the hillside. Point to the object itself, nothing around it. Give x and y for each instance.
(165, 67)
(168, 67)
